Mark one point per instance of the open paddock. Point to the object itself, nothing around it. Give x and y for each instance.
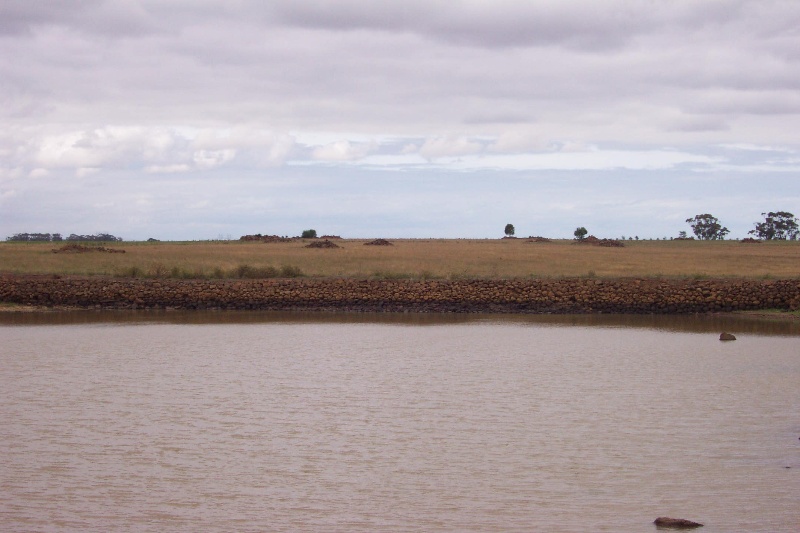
(414, 259)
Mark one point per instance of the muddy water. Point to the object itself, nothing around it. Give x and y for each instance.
(291, 422)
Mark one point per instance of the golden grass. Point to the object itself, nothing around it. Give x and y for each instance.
(435, 258)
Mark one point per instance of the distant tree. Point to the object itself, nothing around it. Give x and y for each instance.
(100, 237)
(309, 234)
(509, 230)
(580, 233)
(781, 225)
(707, 227)
(33, 237)
(681, 234)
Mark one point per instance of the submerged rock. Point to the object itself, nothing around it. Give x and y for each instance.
(676, 523)
(727, 337)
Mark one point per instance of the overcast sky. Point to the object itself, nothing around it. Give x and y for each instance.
(200, 119)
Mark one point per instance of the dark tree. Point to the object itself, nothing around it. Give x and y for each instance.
(776, 226)
(509, 230)
(32, 237)
(309, 234)
(580, 233)
(100, 237)
(707, 227)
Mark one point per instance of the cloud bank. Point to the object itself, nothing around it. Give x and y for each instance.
(398, 118)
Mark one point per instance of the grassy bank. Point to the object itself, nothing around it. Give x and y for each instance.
(428, 259)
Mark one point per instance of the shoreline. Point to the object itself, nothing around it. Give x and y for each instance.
(776, 315)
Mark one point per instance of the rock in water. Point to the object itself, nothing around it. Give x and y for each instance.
(676, 523)
(727, 337)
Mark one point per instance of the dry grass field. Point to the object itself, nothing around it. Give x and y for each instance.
(435, 258)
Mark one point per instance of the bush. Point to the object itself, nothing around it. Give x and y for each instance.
(309, 234)
(288, 271)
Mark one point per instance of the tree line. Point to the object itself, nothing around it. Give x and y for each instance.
(56, 237)
(777, 225)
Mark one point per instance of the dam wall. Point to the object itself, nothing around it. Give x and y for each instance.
(563, 296)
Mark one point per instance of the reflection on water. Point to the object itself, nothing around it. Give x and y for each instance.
(255, 421)
(733, 323)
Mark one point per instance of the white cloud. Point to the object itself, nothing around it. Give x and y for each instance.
(168, 169)
(342, 151)
(588, 160)
(101, 147)
(38, 173)
(515, 141)
(208, 159)
(83, 172)
(759, 148)
(449, 147)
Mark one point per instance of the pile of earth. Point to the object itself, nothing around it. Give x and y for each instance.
(378, 242)
(594, 241)
(74, 248)
(323, 244)
(538, 239)
(750, 240)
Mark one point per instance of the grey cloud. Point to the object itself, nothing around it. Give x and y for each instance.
(101, 17)
(201, 89)
(584, 24)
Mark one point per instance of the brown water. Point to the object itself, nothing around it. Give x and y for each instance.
(291, 422)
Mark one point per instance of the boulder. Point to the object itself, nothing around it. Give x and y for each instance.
(676, 523)
(727, 337)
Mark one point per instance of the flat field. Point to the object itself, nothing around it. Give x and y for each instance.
(413, 258)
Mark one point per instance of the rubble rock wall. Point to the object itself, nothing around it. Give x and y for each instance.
(573, 295)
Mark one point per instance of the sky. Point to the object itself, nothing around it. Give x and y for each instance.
(200, 119)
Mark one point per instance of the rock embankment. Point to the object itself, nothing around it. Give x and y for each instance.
(578, 295)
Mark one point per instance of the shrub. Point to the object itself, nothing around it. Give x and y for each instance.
(289, 271)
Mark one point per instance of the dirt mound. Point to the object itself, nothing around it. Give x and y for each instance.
(538, 239)
(591, 240)
(74, 248)
(750, 240)
(378, 242)
(322, 244)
